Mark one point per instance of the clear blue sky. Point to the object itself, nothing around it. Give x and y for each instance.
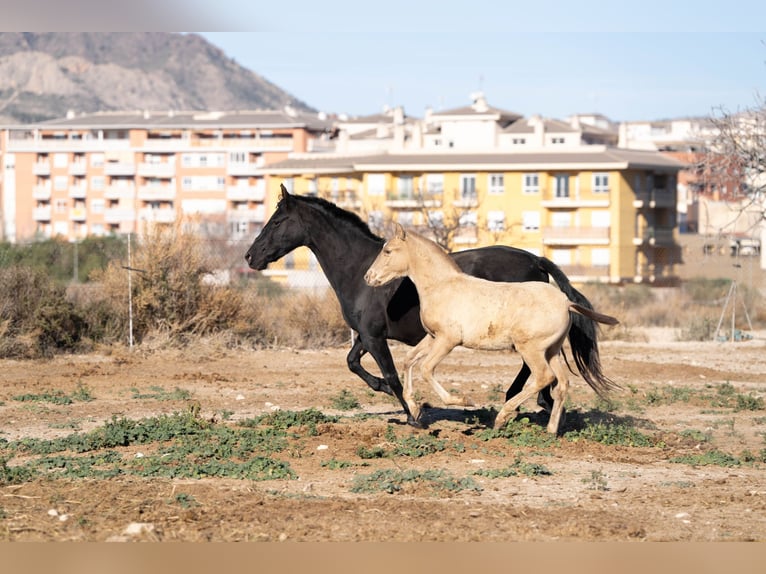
(650, 59)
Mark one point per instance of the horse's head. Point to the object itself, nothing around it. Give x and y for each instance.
(393, 260)
(282, 233)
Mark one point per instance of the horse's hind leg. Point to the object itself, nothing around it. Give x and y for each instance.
(354, 361)
(543, 377)
(544, 398)
(560, 393)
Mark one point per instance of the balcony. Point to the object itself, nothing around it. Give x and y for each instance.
(119, 215)
(655, 198)
(162, 170)
(42, 213)
(156, 193)
(587, 273)
(347, 200)
(655, 236)
(244, 168)
(157, 215)
(550, 201)
(41, 168)
(78, 168)
(575, 235)
(246, 193)
(255, 215)
(410, 200)
(41, 192)
(78, 214)
(117, 168)
(120, 192)
(77, 191)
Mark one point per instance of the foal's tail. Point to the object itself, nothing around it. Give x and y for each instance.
(583, 334)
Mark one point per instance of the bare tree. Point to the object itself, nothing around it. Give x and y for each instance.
(733, 166)
(446, 219)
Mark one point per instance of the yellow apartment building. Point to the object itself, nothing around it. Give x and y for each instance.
(108, 173)
(601, 213)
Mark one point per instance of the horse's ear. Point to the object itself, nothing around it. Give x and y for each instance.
(285, 194)
(399, 232)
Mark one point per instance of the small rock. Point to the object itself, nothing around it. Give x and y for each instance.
(136, 528)
(239, 397)
(322, 447)
(53, 512)
(282, 537)
(682, 515)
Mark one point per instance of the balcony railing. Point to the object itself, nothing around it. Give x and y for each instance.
(575, 235)
(655, 198)
(119, 168)
(156, 169)
(41, 168)
(118, 215)
(78, 214)
(156, 193)
(412, 200)
(551, 201)
(244, 168)
(41, 192)
(77, 191)
(119, 192)
(655, 235)
(255, 215)
(157, 215)
(246, 193)
(42, 213)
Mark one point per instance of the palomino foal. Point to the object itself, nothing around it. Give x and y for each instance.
(458, 309)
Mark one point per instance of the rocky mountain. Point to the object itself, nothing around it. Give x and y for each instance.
(44, 75)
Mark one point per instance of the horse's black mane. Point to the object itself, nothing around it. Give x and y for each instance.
(337, 213)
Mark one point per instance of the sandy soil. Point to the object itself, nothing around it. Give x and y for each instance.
(594, 491)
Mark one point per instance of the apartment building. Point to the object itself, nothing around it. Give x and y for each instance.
(561, 189)
(602, 214)
(107, 173)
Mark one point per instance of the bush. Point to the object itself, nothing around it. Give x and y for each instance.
(35, 316)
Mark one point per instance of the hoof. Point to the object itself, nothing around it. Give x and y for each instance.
(416, 423)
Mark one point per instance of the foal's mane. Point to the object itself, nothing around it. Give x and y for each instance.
(427, 245)
(336, 213)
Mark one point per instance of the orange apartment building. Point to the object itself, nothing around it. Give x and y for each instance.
(106, 173)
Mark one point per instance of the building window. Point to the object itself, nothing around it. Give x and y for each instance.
(530, 183)
(600, 218)
(519, 141)
(97, 206)
(599, 257)
(313, 188)
(496, 183)
(557, 140)
(60, 159)
(434, 183)
(530, 220)
(468, 187)
(97, 160)
(561, 256)
(376, 184)
(60, 182)
(405, 187)
(375, 219)
(60, 205)
(97, 182)
(468, 219)
(496, 221)
(600, 183)
(406, 218)
(562, 185)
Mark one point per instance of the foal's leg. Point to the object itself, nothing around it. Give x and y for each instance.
(354, 361)
(560, 393)
(543, 377)
(439, 349)
(544, 398)
(414, 355)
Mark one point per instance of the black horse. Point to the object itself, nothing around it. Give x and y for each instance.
(345, 247)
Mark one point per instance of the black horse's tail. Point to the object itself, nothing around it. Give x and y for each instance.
(583, 334)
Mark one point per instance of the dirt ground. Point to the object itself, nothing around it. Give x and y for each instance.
(591, 490)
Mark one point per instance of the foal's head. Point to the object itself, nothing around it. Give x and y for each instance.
(281, 234)
(393, 260)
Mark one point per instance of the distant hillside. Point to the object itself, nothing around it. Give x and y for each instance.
(43, 75)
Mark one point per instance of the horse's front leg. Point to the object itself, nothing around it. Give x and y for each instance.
(438, 349)
(411, 359)
(378, 349)
(354, 361)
